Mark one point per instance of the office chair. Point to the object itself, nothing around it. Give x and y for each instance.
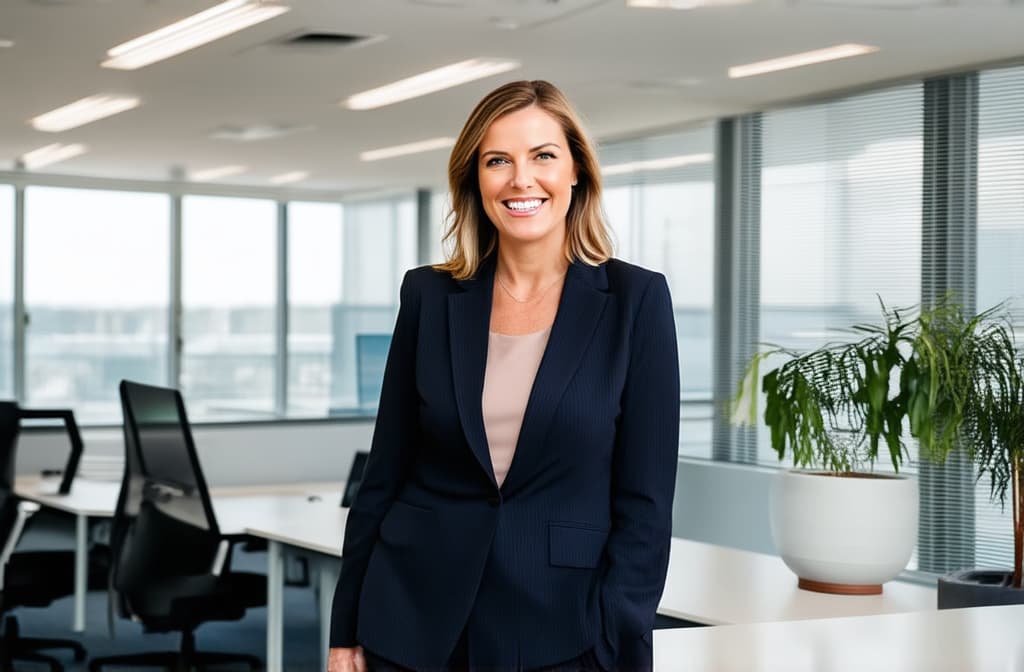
(169, 566)
(27, 579)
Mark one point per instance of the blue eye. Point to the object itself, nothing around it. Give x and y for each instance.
(496, 160)
(546, 155)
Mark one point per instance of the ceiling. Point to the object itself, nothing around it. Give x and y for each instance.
(627, 70)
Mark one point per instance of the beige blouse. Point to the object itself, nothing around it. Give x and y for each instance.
(512, 363)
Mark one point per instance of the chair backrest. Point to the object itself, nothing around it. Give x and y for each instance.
(10, 423)
(164, 524)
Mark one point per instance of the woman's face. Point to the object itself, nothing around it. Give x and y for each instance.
(526, 174)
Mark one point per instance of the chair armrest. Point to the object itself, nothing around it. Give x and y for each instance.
(222, 555)
(25, 511)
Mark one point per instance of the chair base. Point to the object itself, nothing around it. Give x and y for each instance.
(16, 647)
(180, 661)
(174, 660)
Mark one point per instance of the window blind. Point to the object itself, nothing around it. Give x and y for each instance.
(841, 220)
(1000, 255)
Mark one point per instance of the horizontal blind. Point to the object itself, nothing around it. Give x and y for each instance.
(840, 218)
(1000, 274)
(659, 199)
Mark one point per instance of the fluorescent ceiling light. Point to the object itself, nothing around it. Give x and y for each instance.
(6, 44)
(44, 156)
(82, 112)
(657, 164)
(215, 173)
(683, 4)
(429, 82)
(798, 60)
(191, 32)
(288, 178)
(411, 148)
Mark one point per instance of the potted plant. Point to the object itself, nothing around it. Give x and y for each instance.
(950, 381)
(840, 526)
(979, 364)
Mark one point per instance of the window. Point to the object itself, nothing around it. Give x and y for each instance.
(6, 291)
(379, 246)
(659, 197)
(96, 292)
(440, 207)
(1000, 274)
(229, 294)
(840, 218)
(314, 300)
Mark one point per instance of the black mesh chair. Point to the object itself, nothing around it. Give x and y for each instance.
(27, 579)
(169, 560)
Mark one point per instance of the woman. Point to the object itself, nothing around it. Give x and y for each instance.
(515, 511)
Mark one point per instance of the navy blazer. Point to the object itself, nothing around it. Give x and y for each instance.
(571, 552)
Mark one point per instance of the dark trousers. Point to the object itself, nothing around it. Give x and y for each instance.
(459, 662)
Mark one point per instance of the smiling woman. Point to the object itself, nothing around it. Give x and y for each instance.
(515, 511)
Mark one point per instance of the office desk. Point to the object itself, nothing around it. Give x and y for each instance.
(314, 530)
(706, 584)
(236, 507)
(987, 639)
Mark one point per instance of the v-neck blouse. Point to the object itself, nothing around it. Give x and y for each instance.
(512, 363)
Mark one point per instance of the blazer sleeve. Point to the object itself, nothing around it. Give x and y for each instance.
(643, 481)
(394, 436)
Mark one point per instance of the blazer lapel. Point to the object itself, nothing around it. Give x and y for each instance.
(469, 319)
(583, 300)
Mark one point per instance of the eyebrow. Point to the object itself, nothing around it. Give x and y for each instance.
(532, 149)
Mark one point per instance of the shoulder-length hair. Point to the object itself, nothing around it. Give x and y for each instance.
(470, 235)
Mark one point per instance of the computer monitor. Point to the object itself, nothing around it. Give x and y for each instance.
(355, 477)
(371, 358)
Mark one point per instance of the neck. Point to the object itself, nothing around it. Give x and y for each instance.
(519, 268)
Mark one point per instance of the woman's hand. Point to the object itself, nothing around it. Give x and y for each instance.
(346, 660)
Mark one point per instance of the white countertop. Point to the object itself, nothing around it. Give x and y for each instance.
(989, 639)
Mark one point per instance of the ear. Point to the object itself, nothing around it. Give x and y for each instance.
(575, 175)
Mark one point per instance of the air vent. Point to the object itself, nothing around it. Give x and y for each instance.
(320, 40)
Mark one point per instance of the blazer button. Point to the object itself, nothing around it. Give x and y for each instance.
(494, 501)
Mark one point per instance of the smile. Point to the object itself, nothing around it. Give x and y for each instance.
(524, 206)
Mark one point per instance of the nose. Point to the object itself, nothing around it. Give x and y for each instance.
(522, 178)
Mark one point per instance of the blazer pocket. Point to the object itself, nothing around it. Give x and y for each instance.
(576, 545)
(405, 523)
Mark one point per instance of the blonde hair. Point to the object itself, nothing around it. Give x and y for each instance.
(471, 236)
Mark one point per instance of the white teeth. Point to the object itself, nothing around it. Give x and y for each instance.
(524, 205)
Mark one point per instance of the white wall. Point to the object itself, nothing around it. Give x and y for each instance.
(230, 455)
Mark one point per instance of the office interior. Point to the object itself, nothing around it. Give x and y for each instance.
(228, 235)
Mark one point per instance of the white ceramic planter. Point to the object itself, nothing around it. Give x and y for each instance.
(844, 534)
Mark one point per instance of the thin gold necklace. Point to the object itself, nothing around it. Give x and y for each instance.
(528, 299)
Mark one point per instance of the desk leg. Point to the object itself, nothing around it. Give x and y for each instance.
(330, 567)
(275, 606)
(81, 571)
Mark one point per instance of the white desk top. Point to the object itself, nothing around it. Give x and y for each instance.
(90, 498)
(989, 639)
(316, 526)
(99, 498)
(716, 585)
